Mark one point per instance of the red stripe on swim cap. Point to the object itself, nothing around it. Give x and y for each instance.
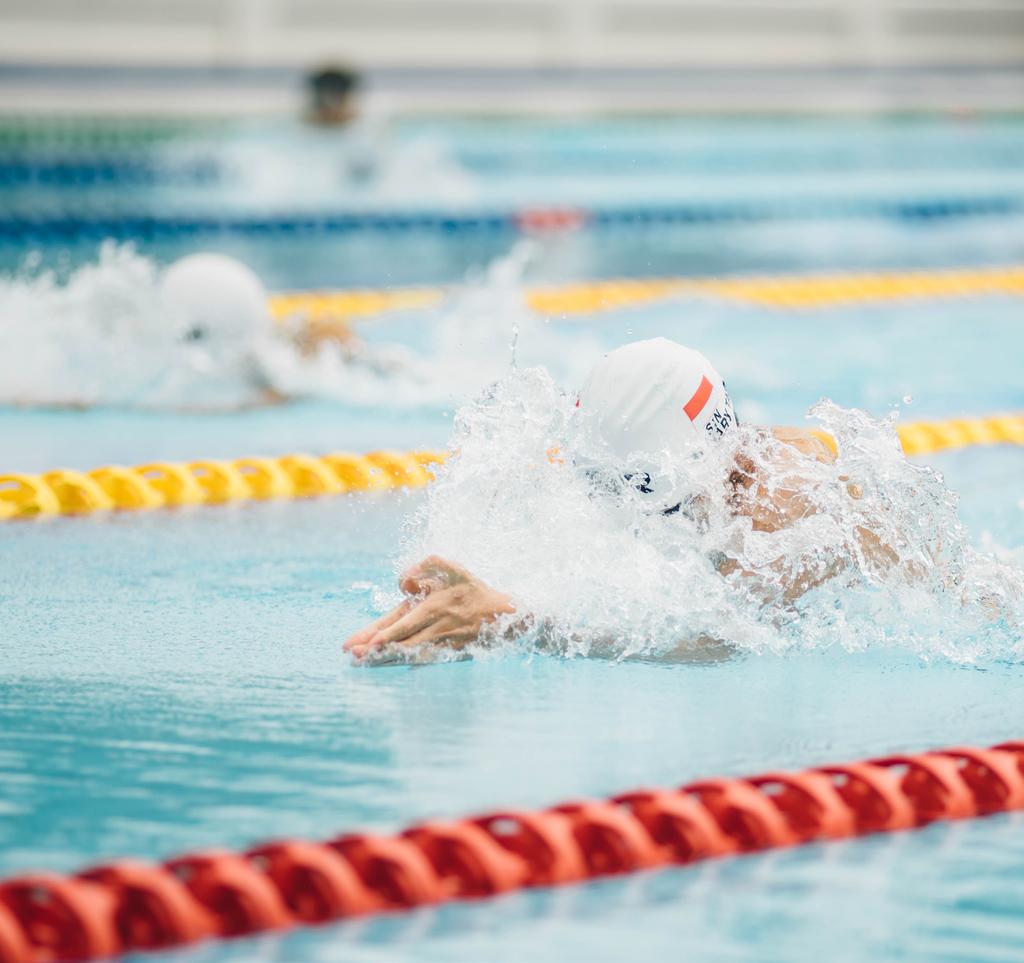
(700, 398)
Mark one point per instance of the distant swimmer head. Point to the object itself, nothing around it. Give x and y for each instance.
(219, 312)
(332, 95)
(215, 301)
(648, 402)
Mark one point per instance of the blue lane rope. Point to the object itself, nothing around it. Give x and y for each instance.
(98, 168)
(92, 172)
(69, 226)
(741, 160)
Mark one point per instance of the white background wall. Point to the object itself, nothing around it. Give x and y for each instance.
(515, 33)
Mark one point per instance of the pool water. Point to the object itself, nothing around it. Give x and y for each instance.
(783, 189)
(176, 682)
(929, 358)
(174, 679)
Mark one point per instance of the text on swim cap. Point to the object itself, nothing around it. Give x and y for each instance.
(722, 418)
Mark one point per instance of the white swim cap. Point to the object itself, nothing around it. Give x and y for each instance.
(215, 299)
(649, 398)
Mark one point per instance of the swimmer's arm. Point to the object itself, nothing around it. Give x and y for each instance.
(791, 505)
(809, 443)
(314, 332)
(445, 605)
(781, 505)
(449, 607)
(789, 580)
(873, 545)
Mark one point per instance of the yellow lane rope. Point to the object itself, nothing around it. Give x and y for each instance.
(814, 291)
(925, 437)
(209, 481)
(342, 305)
(928, 437)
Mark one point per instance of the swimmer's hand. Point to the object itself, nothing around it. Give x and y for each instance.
(446, 605)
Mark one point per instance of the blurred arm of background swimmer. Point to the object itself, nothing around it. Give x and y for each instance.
(335, 334)
(317, 331)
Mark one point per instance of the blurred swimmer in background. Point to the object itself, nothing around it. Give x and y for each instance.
(221, 311)
(197, 335)
(221, 306)
(353, 138)
(332, 96)
(645, 410)
(333, 110)
(341, 147)
(350, 145)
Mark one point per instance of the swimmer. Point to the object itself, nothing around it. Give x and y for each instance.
(220, 310)
(656, 397)
(216, 299)
(355, 139)
(197, 335)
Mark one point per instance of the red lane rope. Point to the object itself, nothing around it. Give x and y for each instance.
(130, 906)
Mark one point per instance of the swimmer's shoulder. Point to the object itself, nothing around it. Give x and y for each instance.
(814, 444)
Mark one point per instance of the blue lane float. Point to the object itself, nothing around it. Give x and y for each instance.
(108, 172)
(67, 227)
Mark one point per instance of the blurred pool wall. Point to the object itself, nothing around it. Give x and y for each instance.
(537, 56)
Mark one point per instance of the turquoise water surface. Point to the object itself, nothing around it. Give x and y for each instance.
(802, 169)
(174, 679)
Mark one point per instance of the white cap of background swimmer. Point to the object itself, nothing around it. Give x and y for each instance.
(218, 309)
(217, 301)
(652, 397)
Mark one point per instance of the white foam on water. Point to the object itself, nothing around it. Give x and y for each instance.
(361, 165)
(601, 574)
(480, 325)
(105, 336)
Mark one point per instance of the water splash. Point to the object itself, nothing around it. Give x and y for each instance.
(871, 553)
(468, 344)
(104, 336)
(360, 165)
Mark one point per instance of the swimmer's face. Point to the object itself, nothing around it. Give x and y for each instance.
(742, 492)
(647, 493)
(195, 334)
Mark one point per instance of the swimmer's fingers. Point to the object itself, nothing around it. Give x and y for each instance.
(366, 633)
(430, 611)
(427, 646)
(433, 574)
(382, 650)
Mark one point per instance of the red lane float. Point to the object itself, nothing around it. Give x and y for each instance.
(545, 220)
(130, 906)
